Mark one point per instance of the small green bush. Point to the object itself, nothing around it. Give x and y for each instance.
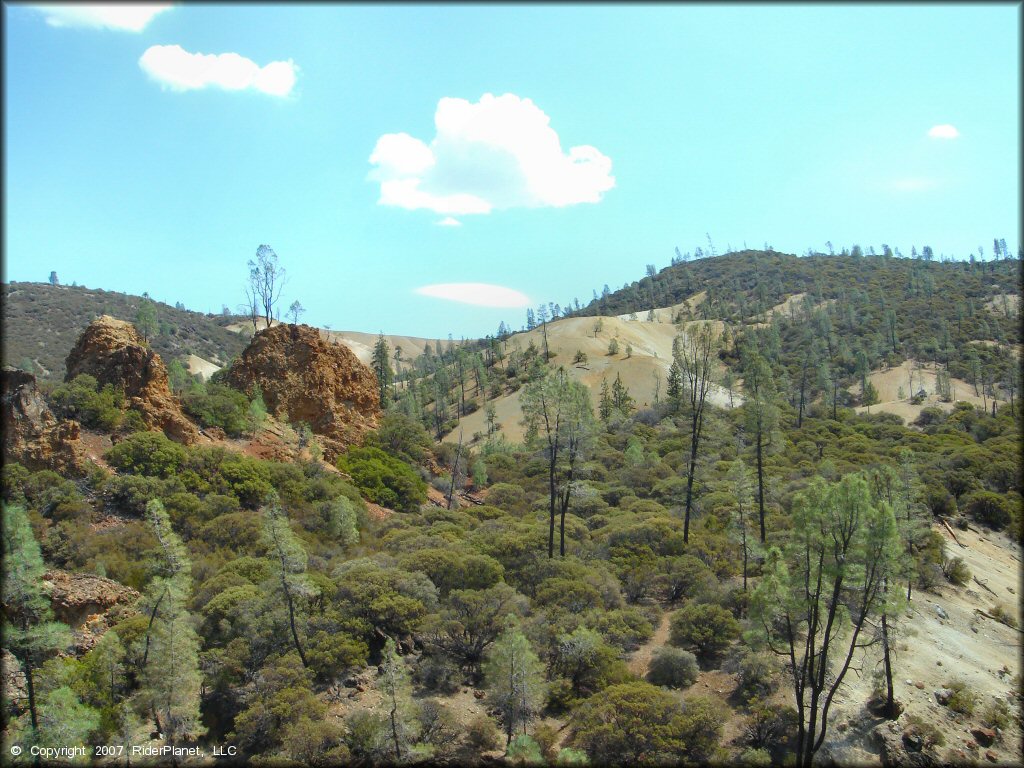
(482, 734)
(673, 667)
(218, 405)
(523, 750)
(1004, 615)
(384, 479)
(963, 699)
(956, 571)
(83, 399)
(930, 735)
(996, 715)
(147, 453)
(708, 628)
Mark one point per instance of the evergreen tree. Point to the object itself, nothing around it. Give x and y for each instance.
(397, 692)
(381, 362)
(290, 562)
(515, 680)
(622, 401)
(604, 404)
(30, 633)
(145, 319)
(818, 595)
(170, 679)
(695, 356)
(761, 418)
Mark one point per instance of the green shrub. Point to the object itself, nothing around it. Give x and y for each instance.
(384, 479)
(930, 735)
(482, 734)
(147, 453)
(218, 405)
(993, 509)
(757, 676)
(523, 750)
(1004, 615)
(996, 715)
(956, 571)
(708, 628)
(963, 699)
(570, 756)
(640, 723)
(673, 667)
(83, 399)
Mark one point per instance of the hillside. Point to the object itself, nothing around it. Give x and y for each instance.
(388, 580)
(42, 321)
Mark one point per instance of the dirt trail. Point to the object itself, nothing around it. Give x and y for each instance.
(641, 659)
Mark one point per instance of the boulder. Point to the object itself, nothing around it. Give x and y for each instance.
(304, 378)
(114, 352)
(33, 435)
(984, 736)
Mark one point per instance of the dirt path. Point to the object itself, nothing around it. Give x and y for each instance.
(641, 659)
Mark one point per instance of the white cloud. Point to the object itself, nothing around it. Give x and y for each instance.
(130, 17)
(913, 184)
(179, 70)
(478, 294)
(944, 131)
(448, 221)
(500, 152)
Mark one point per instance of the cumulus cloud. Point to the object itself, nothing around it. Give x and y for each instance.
(478, 294)
(944, 131)
(448, 221)
(179, 70)
(499, 152)
(130, 17)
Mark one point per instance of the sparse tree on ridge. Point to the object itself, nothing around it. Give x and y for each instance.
(381, 362)
(295, 310)
(266, 281)
(145, 319)
(53, 278)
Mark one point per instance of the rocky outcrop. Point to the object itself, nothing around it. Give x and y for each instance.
(306, 379)
(115, 353)
(897, 748)
(33, 436)
(89, 604)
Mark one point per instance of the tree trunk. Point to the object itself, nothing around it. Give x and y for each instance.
(760, 482)
(551, 489)
(291, 619)
(890, 700)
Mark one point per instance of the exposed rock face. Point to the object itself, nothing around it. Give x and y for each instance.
(304, 378)
(33, 436)
(89, 604)
(115, 353)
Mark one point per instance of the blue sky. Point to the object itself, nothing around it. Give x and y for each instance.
(547, 150)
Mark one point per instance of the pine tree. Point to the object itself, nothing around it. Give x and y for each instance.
(818, 598)
(290, 561)
(30, 633)
(397, 692)
(381, 361)
(145, 319)
(604, 406)
(170, 679)
(515, 679)
(622, 401)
